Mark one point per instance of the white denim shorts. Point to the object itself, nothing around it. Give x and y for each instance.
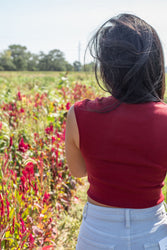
(123, 229)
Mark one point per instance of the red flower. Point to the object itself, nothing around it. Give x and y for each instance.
(35, 188)
(2, 206)
(23, 228)
(22, 146)
(46, 198)
(31, 239)
(23, 197)
(49, 129)
(30, 168)
(53, 139)
(23, 180)
(25, 174)
(21, 110)
(68, 105)
(7, 205)
(11, 142)
(19, 96)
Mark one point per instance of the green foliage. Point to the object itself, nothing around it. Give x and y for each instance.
(6, 62)
(18, 58)
(53, 61)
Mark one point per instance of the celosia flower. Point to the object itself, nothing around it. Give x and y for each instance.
(23, 180)
(68, 105)
(53, 139)
(21, 110)
(30, 168)
(23, 197)
(2, 206)
(46, 198)
(19, 96)
(49, 129)
(25, 175)
(23, 228)
(31, 239)
(7, 205)
(11, 142)
(22, 146)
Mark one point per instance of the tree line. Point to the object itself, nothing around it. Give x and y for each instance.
(18, 58)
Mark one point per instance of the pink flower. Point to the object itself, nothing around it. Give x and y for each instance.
(53, 139)
(19, 97)
(23, 180)
(23, 197)
(21, 110)
(31, 239)
(46, 198)
(0, 125)
(25, 175)
(22, 146)
(7, 205)
(11, 142)
(49, 129)
(35, 188)
(30, 168)
(23, 228)
(68, 105)
(2, 206)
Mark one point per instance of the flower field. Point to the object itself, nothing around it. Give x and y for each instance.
(36, 186)
(37, 190)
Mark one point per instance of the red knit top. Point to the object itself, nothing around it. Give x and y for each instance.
(125, 151)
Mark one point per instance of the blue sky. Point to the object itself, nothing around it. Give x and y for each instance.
(43, 25)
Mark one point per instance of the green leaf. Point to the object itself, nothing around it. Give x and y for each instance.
(11, 213)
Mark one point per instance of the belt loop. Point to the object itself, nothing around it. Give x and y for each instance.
(127, 218)
(85, 210)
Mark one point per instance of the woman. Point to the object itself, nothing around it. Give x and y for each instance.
(120, 141)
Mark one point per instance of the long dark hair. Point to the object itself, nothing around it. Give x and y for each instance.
(129, 56)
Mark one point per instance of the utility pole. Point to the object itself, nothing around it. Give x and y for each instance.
(79, 56)
(79, 52)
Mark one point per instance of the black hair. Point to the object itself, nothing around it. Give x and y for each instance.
(129, 57)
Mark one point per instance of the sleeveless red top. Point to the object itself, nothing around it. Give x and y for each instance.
(125, 151)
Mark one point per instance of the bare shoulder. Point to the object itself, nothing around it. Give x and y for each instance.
(72, 127)
(71, 114)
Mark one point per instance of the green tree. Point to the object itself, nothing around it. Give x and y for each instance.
(6, 62)
(20, 56)
(69, 67)
(33, 62)
(53, 61)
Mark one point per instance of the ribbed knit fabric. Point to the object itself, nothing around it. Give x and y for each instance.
(125, 151)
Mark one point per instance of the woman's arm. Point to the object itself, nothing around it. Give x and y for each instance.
(74, 157)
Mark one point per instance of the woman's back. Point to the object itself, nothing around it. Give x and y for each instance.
(124, 151)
